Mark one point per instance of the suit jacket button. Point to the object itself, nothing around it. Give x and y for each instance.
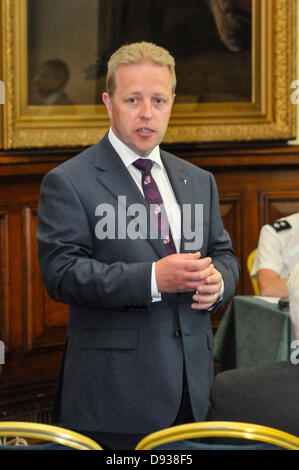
(178, 333)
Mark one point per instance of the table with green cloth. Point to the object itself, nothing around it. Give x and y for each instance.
(253, 331)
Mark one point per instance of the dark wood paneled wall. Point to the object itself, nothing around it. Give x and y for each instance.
(257, 184)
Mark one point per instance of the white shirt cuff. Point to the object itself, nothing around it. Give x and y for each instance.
(219, 298)
(156, 296)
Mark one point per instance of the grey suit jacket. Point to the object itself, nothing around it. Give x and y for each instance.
(123, 364)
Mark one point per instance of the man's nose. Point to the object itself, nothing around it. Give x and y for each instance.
(146, 109)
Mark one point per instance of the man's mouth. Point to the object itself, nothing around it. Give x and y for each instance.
(144, 130)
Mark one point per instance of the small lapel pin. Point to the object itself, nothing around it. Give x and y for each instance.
(185, 181)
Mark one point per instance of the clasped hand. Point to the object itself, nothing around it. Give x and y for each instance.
(188, 272)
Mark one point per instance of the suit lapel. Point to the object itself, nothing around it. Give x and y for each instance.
(186, 194)
(115, 177)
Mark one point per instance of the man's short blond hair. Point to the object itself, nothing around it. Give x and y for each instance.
(137, 53)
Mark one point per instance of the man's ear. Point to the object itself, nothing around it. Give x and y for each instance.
(107, 101)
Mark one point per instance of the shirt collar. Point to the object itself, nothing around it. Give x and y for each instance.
(128, 156)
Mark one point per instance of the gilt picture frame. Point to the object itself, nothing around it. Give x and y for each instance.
(266, 112)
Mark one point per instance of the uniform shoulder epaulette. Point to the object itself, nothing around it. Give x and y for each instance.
(280, 225)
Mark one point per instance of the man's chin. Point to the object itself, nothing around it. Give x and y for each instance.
(143, 151)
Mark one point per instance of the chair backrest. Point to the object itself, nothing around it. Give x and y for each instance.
(254, 282)
(222, 429)
(47, 433)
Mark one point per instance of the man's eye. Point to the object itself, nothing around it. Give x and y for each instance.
(159, 100)
(132, 100)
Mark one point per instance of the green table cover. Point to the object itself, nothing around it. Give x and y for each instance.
(253, 331)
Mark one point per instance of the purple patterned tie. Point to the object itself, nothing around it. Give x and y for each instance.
(153, 197)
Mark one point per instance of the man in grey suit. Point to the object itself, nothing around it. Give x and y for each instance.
(139, 350)
(265, 394)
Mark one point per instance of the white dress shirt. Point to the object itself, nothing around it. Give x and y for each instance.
(159, 174)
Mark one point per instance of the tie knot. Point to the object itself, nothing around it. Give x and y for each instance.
(143, 164)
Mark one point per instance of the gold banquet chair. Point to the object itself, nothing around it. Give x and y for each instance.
(254, 282)
(227, 429)
(46, 433)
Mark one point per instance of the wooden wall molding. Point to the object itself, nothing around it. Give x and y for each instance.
(4, 278)
(230, 209)
(44, 320)
(221, 156)
(277, 204)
